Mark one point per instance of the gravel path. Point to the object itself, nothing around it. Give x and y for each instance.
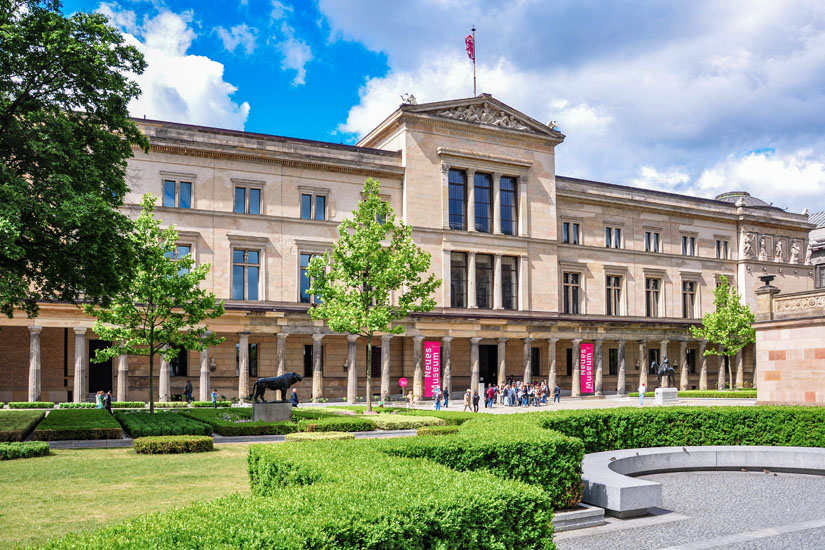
(720, 510)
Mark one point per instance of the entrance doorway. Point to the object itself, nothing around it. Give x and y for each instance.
(488, 364)
(100, 374)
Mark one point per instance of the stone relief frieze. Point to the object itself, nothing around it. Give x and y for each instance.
(485, 115)
(796, 304)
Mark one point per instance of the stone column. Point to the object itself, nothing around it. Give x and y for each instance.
(418, 367)
(471, 280)
(471, 200)
(243, 366)
(703, 371)
(642, 362)
(740, 371)
(599, 367)
(317, 368)
(551, 358)
(522, 205)
(352, 368)
(502, 363)
(474, 363)
(621, 382)
(683, 375)
(497, 282)
(445, 288)
(663, 350)
(755, 363)
(164, 380)
(281, 359)
(720, 382)
(497, 203)
(527, 360)
(577, 381)
(445, 363)
(34, 363)
(385, 366)
(81, 389)
(123, 378)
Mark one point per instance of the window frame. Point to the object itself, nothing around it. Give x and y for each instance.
(246, 249)
(653, 309)
(572, 292)
(478, 190)
(178, 179)
(514, 206)
(313, 193)
(248, 187)
(571, 230)
(464, 293)
(653, 240)
(722, 248)
(689, 312)
(689, 244)
(613, 306)
(250, 355)
(492, 275)
(612, 361)
(513, 286)
(455, 226)
(614, 236)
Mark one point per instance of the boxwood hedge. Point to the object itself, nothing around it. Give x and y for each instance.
(437, 430)
(128, 404)
(29, 449)
(706, 394)
(31, 405)
(144, 424)
(171, 405)
(337, 424)
(16, 425)
(402, 422)
(317, 436)
(173, 444)
(209, 403)
(77, 424)
(77, 406)
(237, 421)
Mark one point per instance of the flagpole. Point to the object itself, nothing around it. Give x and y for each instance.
(474, 60)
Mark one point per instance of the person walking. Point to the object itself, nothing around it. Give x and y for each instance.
(557, 394)
(446, 398)
(467, 400)
(475, 401)
(107, 401)
(438, 400)
(409, 399)
(491, 396)
(642, 390)
(99, 399)
(187, 390)
(294, 399)
(214, 399)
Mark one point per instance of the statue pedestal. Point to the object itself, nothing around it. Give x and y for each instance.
(272, 412)
(665, 396)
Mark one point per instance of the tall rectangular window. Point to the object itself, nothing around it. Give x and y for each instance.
(690, 359)
(458, 279)
(570, 233)
(652, 241)
(688, 299)
(304, 281)
(483, 187)
(721, 249)
(652, 297)
(306, 206)
(535, 362)
(254, 201)
(180, 251)
(612, 362)
(613, 237)
(177, 194)
(253, 359)
(320, 207)
(614, 295)
(509, 282)
(484, 281)
(240, 200)
(507, 199)
(688, 245)
(247, 200)
(245, 270)
(458, 199)
(308, 367)
(571, 292)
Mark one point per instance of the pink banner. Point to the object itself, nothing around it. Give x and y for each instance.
(432, 368)
(586, 363)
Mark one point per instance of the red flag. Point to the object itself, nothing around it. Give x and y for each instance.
(470, 46)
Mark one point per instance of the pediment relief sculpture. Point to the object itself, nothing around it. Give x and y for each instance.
(484, 114)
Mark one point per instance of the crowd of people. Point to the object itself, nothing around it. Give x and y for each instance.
(514, 393)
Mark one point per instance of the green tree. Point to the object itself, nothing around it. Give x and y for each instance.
(161, 307)
(65, 136)
(730, 326)
(373, 257)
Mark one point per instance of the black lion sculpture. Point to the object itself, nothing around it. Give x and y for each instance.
(282, 383)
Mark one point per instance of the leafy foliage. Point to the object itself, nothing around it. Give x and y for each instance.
(29, 449)
(373, 257)
(317, 436)
(437, 430)
(337, 424)
(401, 422)
(730, 325)
(173, 444)
(65, 136)
(31, 405)
(161, 308)
(77, 424)
(16, 425)
(142, 424)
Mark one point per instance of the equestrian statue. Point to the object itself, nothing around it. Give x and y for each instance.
(665, 371)
(282, 383)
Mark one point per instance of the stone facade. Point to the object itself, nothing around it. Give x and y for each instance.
(534, 264)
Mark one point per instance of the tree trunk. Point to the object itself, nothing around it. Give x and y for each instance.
(369, 372)
(151, 381)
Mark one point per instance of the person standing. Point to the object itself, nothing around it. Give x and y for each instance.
(107, 401)
(557, 394)
(187, 390)
(642, 390)
(475, 401)
(214, 399)
(409, 399)
(467, 400)
(99, 399)
(491, 396)
(446, 398)
(438, 400)
(294, 399)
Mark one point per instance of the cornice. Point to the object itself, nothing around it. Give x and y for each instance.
(451, 152)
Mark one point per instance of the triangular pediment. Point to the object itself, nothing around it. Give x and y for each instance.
(485, 111)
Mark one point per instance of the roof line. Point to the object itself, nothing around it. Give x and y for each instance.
(269, 137)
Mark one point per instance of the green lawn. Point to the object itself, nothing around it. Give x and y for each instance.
(75, 490)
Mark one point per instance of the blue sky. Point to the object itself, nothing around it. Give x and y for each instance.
(696, 97)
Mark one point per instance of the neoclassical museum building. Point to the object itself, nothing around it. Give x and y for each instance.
(534, 265)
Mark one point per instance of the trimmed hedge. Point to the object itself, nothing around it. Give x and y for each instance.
(209, 403)
(171, 405)
(31, 405)
(317, 436)
(77, 424)
(16, 425)
(238, 421)
(706, 394)
(337, 424)
(313, 413)
(402, 422)
(452, 418)
(128, 404)
(30, 449)
(173, 444)
(629, 428)
(145, 424)
(437, 430)
(77, 405)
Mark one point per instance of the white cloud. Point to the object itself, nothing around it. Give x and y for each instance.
(177, 86)
(240, 35)
(651, 178)
(295, 52)
(279, 10)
